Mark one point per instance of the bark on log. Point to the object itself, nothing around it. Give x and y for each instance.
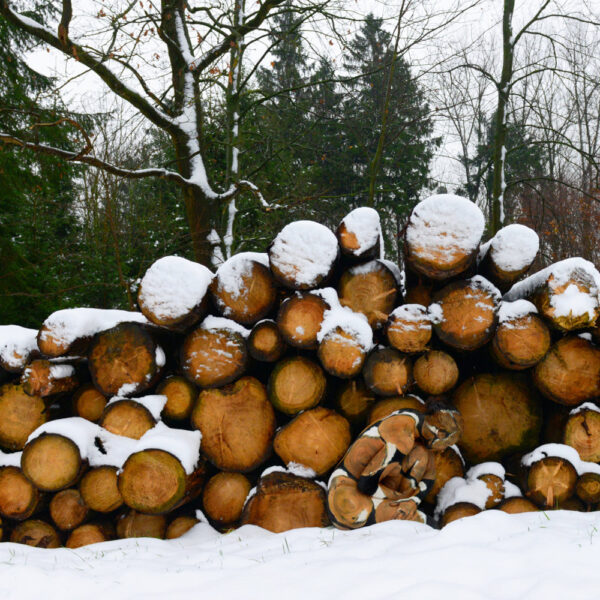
(224, 497)
(89, 403)
(299, 319)
(52, 462)
(99, 489)
(501, 417)
(284, 501)
(20, 416)
(43, 378)
(68, 509)
(213, 357)
(127, 418)
(520, 343)
(387, 372)
(266, 343)
(467, 313)
(435, 372)
(19, 498)
(154, 482)
(123, 355)
(244, 292)
(317, 439)
(570, 372)
(133, 524)
(370, 289)
(296, 384)
(35, 533)
(237, 423)
(181, 395)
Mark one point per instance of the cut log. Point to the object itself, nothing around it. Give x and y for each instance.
(299, 319)
(212, 357)
(508, 255)
(465, 313)
(173, 292)
(155, 482)
(570, 372)
(296, 384)
(551, 481)
(125, 355)
(52, 462)
(317, 439)
(341, 353)
(181, 395)
(237, 423)
(19, 499)
(588, 488)
(91, 533)
(35, 533)
(448, 464)
(68, 510)
(582, 432)
(408, 328)
(459, 511)
(127, 418)
(133, 524)
(70, 331)
(266, 343)
(418, 290)
(224, 497)
(520, 342)
(303, 255)
(495, 485)
(435, 372)
(43, 378)
(442, 236)
(565, 294)
(89, 403)
(243, 288)
(387, 372)
(284, 501)
(20, 416)
(517, 505)
(354, 401)
(386, 406)
(99, 489)
(370, 289)
(179, 526)
(359, 234)
(501, 417)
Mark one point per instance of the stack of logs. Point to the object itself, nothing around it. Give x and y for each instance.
(317, 362)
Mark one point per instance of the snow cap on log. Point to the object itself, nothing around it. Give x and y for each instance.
(302, 254)
(17, 345)
(172, 292)
(65, 330)
(359, 234)
(443, 235)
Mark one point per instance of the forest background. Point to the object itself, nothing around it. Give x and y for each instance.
(200, 129)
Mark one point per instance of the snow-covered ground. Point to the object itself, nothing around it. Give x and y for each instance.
(490, 556)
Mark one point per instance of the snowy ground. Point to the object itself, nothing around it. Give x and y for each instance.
(492, 556)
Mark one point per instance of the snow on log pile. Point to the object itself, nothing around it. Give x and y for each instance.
(311, 385)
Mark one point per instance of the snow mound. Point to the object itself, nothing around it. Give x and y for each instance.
(510, 311)
(412, 317)
(365, 225)
(70, 324)
(173, 286)
(230, 275)
(458, 490)
(16, 345)
(513, 248)
(560, 451)
(212, 323)
(304, 251)
(355, 324)
(585, 406)
(443, 224)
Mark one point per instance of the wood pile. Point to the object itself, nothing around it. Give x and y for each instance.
(316, 384)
